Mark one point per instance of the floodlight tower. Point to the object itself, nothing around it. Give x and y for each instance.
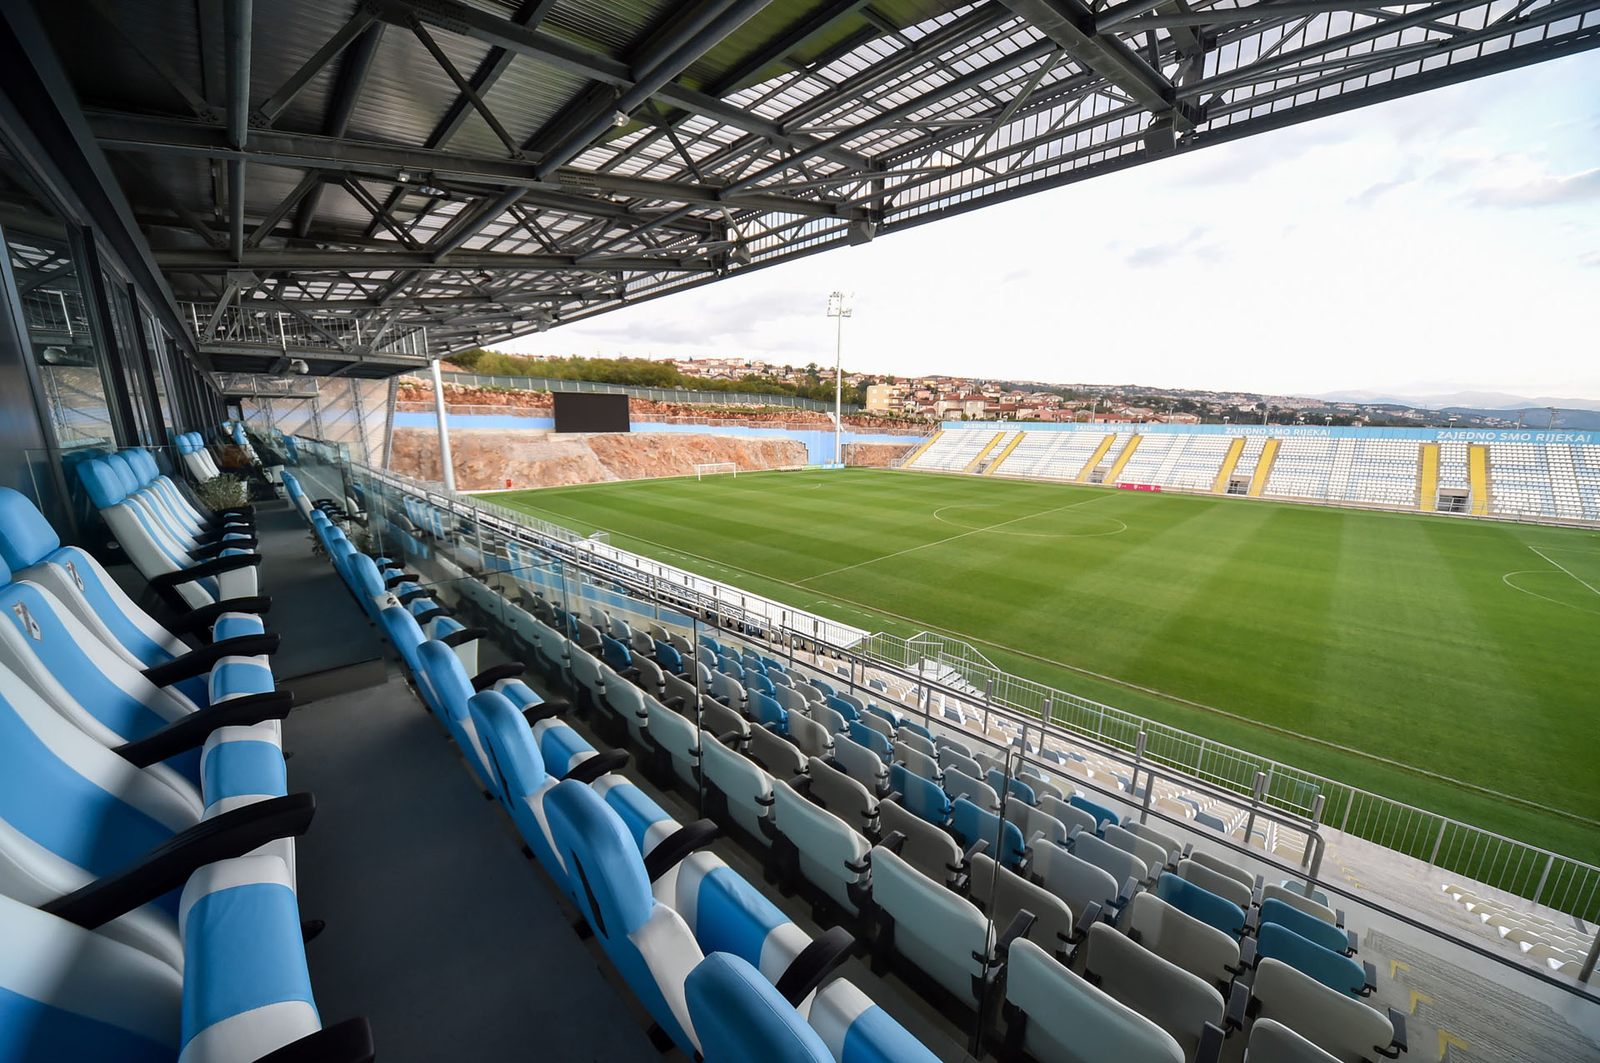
(838, 310)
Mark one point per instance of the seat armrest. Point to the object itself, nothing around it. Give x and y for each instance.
(192, 730)
(1021, 923)
(1355, 942)
(1087, 918)
(1255, 897)
(200, 620)
(431, 614)
(198, 662)
(347, 1042)
(1173, 859)
(236, 511)
(807, 970)
(893, 841)
(590, 769)
(1247, 955)
(214, 567)
(411, 596)
(979, 846)
(1339, 918)
(677, 845)
(1252, 920)
(496, 672)
(1211, 1038)
(466, 634)
(544, 710)
(169, 865)
(1370, 983)
(1072, 836)
(1397, 1043)
(400, 577)
(212, 549)
(1129, 888)
(1238, 1004)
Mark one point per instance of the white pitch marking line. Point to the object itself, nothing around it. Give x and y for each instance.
(1564, 568)
(953, 538)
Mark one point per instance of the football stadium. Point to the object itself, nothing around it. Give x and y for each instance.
(371, 689)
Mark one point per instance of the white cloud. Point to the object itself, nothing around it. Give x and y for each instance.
(1385, 246)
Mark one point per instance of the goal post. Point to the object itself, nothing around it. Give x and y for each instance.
(716, 468)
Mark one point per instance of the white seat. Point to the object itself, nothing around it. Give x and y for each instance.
(829, 853)
(843, 796)
(935, 931)
(1220, 884)
(1181, 939)
(1149, 853)
(747, 788)
(1341, 1025)
(1064, 1019)
(1273, 1042)
(1175, 1000)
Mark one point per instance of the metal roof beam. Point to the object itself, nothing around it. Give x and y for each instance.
(347, 91)
(201, 261)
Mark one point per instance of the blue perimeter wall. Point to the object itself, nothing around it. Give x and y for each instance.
(1285, 431)
(819, 442)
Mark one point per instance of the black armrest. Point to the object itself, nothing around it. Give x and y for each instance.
(1021, 923)
(1255, 897)
(197, 662)
(201, 619)
(192, 730)
(390, 583)
(677, 845)
(169, 865)
(430, 614)
(1252, 920)
(1129, 888)
(1173, 858)
(1397, 1043)
(1371, 982)
(1355, 942)
(346, 1042)
(807, 970)
(1339, 919)
(545, 710)
(1087, 918)
(589, 770)
(496, 672)
(212, 549)
(1211, 1038)
(979, 846)
(214, 567)
(1247, 955)
(893, 841)
(236, 511)
(1238, 1003)
(411, 596)
(466, 634)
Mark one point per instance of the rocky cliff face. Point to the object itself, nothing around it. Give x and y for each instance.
(876, 455)
(489, 460)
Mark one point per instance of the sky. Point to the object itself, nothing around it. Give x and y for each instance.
(1441, 243)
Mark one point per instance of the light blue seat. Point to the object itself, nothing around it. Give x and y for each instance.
(1276, 941)
(873, 740)
(919, 796)
(1306, 925)
(728, 915)
(842, 707)
(972, 824)
(766, 712)
(740, 1017)
(1200, 903)
(931, 929)
(1102, 815)
(1000, 783)
(755, 680)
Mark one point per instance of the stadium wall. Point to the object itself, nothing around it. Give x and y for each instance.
(1302, 431)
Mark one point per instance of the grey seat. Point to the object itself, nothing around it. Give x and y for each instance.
(950, 760)
(843, 796)
(721, 721)
(1120, 864)
(781, 758)
(829, 718)
(790, 699)
(927, 848)
(741, 781)
(919, 743)
(651, 678)
(944, 742)
(677, 737)
(1224, 867)
(879, 724)
(626, 701)
(1181, 939)
(931, 929)
(1168, 843)
(959, 784)
(829, 853)
(1042, 786)
(1058, 1017)
(1075, 881)
(1294, 899)
(813, 738)
(1341, 1025)
(679, 694)
(1035, 822)
(1175, 1000)
(916, 761)
(588, 673)
(1273, 1042)
(860, 763)
(1153, 856)
(1004, 893)
(1218, 883)
(728, 690)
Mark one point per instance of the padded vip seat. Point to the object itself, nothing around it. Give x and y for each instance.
(856, 1030)
(842, 795)
(1201, 903)
(1153, 856)
(1199, 948)
(930, 849)
(1057, 1017)
(1273, 1042)
(1332, 969)
(1307, 926)
(1222, 885)
(73, 813)
(820, 847)
(972, 825)
(1345, 1028)
(746, 789)
(1005, 895)
(739, 1016)
(1175, 1000)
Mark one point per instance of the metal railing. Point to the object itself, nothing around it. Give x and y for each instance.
(294, 331)
(685, 395)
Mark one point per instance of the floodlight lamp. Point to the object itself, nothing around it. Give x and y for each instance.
(620, 119)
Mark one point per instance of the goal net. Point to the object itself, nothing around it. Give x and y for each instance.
(716, 468)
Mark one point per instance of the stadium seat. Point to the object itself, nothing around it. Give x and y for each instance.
(930, 849)
(766, 712)
(820, 847)
(1273, 1042)
(917, 762)
(842, 795)
(861, 764)
(1304, 904)
(1175, 1000)
(1005, 895)
(856, 1030)
(952, 760)
(1332, 969)
(1347, 1029)
(1075, 881)
(876, 741)
(812, 737)
(780, 758)
(1215, 882)
(919, 795)
(958, 783)
(1201, 903)
(1169, 844)
(1148, 852)
(1102, 815)
(1117, 863)
(745, 789)
(1326, 934)
(676, 743)
(739, 1016)
(972, 825)
(1035, 823)
(1057, 1017)
(1199, 948)
(1225, 867)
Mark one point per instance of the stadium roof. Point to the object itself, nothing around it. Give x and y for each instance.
(366, 168)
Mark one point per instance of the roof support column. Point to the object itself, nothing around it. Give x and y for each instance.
(237, 36)
(447, 468)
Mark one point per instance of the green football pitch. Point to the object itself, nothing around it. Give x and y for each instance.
(1435, 661)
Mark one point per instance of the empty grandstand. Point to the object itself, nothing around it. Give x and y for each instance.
(1514, 473)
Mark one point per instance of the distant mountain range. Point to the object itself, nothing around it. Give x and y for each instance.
(1480, 401)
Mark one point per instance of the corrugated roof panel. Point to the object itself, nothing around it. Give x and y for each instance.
(407, 92)
(106, 70)
(283, 37)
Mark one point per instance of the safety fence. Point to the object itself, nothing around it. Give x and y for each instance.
(686, 395)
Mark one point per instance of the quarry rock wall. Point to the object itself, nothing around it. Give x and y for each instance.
(485, 460)
(875, 455)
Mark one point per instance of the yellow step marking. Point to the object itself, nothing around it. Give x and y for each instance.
(1229, 461)
(984, 453)
(1448, 1038)
(1122, 459)
(1418, 998)
(1269, 454)
(1478, 477)
(1428, 478)
(1094, 459)
(1016, 441)
(1396, 966)
(926, 443)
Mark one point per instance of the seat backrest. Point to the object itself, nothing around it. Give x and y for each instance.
(739, 1016)
(916, 761)
(781, 758)
(1181, 939)
(832, 855)
(1100, 812)
(650, 676)
(860, 763)
(1323, 933)
(790, 699)
(449, 689)
(1075, 881)
(616, 653)
(1169, 844)
(721, 720)
(920, 795)
(1071, 1021)
(747, 788)
(1276, 941)
(928, 848)
(944, 742)
(858, 1031)
(678, 736)
(958, 783)
(1149, 853)
(1223, 867)
(972, 824)
(842, 795)
(1004, 894)
(1347, 1029)
(873, 740)
(1175, 1000)
(1220, 884)
(1118, 864)
(811, 736)
(910, 736)
(950, 760)
(1201, 903)
(1304, 904)
(936, 931)
(765, 711)
(1033, 821)
(1273, 1042)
